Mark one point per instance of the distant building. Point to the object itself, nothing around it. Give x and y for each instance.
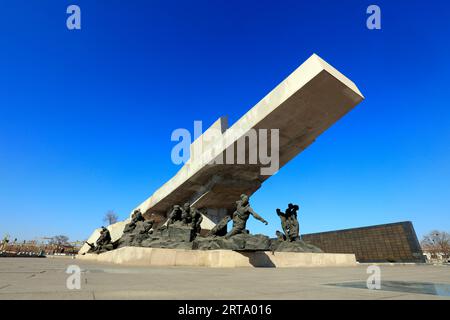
(435, 257)
(394, 242)
(31, 248)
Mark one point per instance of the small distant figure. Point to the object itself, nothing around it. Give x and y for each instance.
(103, 243)
(5, 242)
(241, 215)
(175, 215)
(186, 216)
(289, 223)
(135, 218)
(196, 220)
(105, 237)
(284, 223)
(294, 228)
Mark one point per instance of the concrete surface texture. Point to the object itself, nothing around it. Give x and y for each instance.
(34, 278)
(136, 256)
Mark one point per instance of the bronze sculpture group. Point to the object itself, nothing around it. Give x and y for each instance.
(183, 227)
(187, 216)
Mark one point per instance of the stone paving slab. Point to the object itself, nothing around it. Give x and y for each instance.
(46, 279)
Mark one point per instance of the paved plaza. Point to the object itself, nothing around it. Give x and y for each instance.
(45, 278)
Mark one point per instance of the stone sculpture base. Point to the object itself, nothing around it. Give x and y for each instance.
(138, 256)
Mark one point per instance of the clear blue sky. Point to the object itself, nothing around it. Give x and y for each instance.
(86, 116)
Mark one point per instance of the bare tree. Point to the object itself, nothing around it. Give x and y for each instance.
(59, 240)
(110, 217)
(437, 243)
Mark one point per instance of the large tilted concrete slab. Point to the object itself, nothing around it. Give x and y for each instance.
(301, 107)
(146, 257)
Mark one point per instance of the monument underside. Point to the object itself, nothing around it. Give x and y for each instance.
(302, 107)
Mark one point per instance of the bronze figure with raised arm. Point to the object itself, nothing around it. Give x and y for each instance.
(241, 215)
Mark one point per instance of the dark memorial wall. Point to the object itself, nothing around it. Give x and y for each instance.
(394, 242)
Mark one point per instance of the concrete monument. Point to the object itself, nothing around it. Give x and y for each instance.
(299, 109)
